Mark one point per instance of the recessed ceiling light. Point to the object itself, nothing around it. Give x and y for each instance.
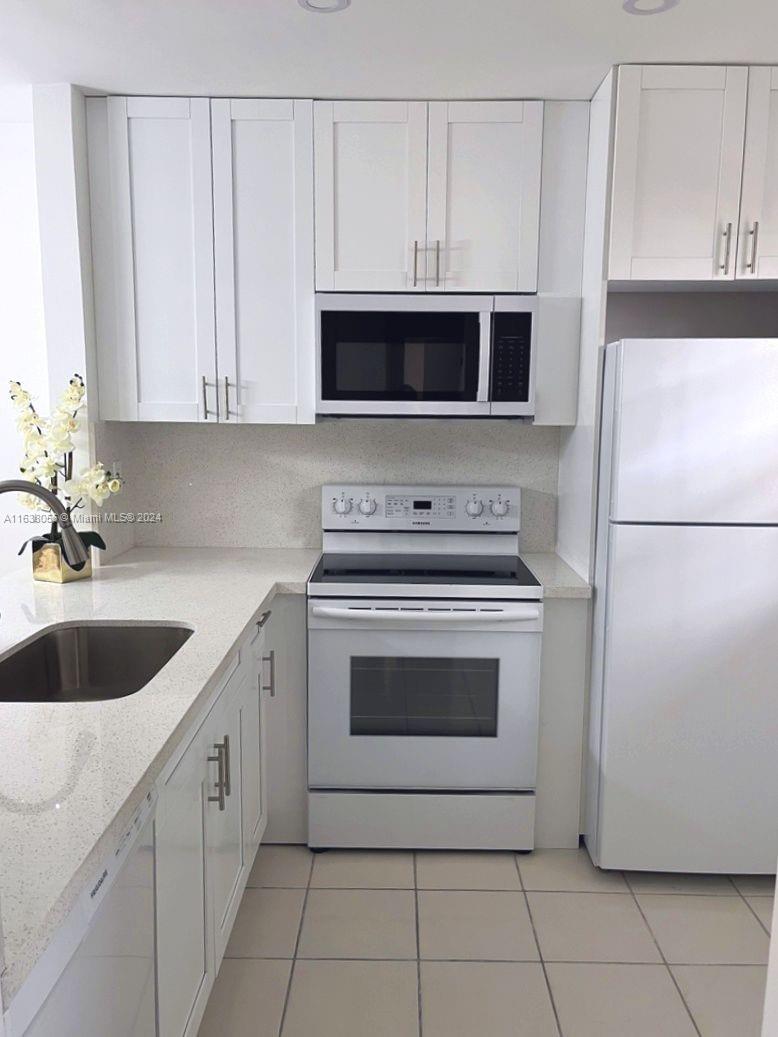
(646, 6)
(324, 6)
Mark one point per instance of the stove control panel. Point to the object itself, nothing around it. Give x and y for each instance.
(419, 508)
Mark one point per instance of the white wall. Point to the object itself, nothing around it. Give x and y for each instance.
(22, 331)
(578, 445)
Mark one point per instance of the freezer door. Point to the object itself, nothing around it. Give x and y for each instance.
(688, 768)
(695, 435)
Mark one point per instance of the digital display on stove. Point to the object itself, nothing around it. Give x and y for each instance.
(422, 505)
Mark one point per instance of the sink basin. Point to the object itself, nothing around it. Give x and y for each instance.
(88, 662)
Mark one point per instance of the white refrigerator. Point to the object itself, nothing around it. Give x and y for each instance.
(682, 767)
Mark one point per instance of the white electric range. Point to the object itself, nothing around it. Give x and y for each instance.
(424, 638)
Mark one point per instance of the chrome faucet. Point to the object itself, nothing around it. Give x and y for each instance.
(76, 553)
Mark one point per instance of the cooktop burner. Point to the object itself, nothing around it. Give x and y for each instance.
(391, 568)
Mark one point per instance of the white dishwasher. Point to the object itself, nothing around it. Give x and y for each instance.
(98, 975)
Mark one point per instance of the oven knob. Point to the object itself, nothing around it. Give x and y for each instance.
(367, 505)
(500, 507)
(474, 507)
(341, 505)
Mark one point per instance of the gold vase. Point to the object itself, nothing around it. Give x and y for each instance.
(50, 565)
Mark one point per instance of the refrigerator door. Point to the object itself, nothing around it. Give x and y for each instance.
(695, 431)
(688, 768)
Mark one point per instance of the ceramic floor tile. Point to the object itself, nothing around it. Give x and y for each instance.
(247, 999)
(267, 924)
(363, 869)
(700, 930)
(474, 870)
(724, 999)
(599, 927)
(475, 926)
(663, 882)
(618, 1001)
(567, 871)
(755, 885)
(347, 923)
(282, 866)
(498, 999)
(353, 999)
(763, 909)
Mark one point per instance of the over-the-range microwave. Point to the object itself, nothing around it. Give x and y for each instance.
(434, 356)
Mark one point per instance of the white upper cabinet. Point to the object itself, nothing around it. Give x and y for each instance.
(483, 195)
(677, 172)
(263, 238)
(150, 182)
(758, 240)
(371, 195)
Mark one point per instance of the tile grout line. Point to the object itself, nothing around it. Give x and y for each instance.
(537, 944)
(418, 941)
(673, 980)
(747, 902)
(296, 948)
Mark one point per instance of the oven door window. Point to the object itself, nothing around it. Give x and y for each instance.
(429, 697)
(399, 356)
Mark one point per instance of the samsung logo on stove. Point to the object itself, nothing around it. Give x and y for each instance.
(415, 522)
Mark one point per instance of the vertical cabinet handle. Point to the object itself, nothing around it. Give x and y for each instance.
(228, 413)
(227, 767)
(727, 235)
(415, 263)
(271, 685)
(437, 264)
(221, 782)
(206, 412)
(754, 235)
(265, 616)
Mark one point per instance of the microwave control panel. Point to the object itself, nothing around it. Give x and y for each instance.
(511, 357)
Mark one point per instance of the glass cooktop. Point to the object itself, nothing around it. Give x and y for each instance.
(483, 570)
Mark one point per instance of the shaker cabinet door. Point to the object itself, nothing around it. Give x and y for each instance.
(677, 172)
(263, 235)
(758, 243)
(150, 185)
(484, 195)
(371, 159)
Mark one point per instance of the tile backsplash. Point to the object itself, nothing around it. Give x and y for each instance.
(259, 485)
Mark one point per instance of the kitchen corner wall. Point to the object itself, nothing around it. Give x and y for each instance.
(259, 485)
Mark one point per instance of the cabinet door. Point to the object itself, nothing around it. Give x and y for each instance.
(758, 243)
(370, 195)
(263, 235)
(677, 170)
(184, 955)
(224, 826)
(156, 350)
(484, 195)
(253, 761)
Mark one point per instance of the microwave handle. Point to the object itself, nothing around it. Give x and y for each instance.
(484, 355)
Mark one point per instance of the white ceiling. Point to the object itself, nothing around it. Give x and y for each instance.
(376, 48)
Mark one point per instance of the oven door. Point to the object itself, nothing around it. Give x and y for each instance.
(403, 355)
(423, 694)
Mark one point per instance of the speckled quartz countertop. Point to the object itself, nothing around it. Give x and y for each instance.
(558, 579)
(71, 774)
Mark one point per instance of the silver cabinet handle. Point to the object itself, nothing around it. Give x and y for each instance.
(227, 412)
(415, 263)
(271, 685)
(263, 619)
(754, 235)
(227, 767)
(727, 235)
(437, 264)
(206, 412)
(221, 784)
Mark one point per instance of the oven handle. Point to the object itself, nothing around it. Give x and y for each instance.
(518, 614)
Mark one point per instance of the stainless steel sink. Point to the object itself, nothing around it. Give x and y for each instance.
(88, 662)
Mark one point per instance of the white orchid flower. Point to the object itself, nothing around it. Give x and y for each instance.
(45, 467)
